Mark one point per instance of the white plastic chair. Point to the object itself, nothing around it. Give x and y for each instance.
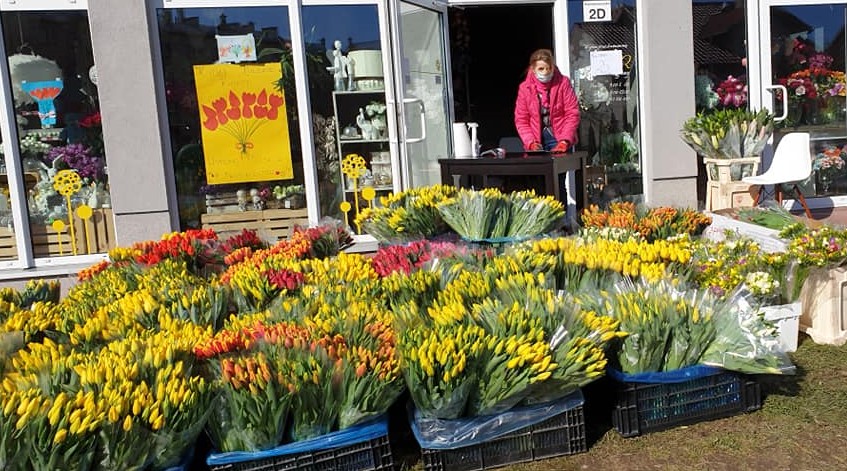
(792, 163)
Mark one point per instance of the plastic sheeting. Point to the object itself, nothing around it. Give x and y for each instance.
(350, 436)
(442, 434)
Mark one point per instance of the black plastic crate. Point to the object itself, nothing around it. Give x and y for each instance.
(649, 407)
(370, 455)
(562, 434)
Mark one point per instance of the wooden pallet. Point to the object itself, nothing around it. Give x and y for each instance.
(271, 224)
(46, 242)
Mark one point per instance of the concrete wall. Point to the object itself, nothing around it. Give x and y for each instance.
(120, 34)
(666, 68)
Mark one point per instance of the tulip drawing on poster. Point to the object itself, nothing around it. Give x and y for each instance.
(44, 92)
(244, 123)
(241, 116)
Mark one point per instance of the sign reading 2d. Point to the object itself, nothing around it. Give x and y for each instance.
(597, 10)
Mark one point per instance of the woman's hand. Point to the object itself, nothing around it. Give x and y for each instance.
(561, 147)
(535, 146)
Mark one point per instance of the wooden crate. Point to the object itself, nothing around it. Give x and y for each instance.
(221, 203)
(723, 195)
(46, 242)
(271, 224)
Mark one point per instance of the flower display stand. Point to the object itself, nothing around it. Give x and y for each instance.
(787, 320)
(724, 188)
(271, 224)
(824, 295)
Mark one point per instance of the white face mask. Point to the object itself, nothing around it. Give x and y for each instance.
(544, 78)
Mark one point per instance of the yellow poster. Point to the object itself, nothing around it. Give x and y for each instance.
(244, 125)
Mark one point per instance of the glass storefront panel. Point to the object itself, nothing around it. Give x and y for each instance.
(8, 242)
(347, 93)
(232, 113)
(54, 88)
(609, 128)
(808, 60)
(720, 66)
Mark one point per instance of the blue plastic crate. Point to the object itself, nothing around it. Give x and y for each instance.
(708, 393)
(516, 436)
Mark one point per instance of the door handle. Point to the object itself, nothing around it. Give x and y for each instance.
(784, 91)
(423, 121)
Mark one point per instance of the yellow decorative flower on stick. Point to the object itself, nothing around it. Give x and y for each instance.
(353, 166)
(68, 182)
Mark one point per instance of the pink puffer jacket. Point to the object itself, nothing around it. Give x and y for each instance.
(564, 110)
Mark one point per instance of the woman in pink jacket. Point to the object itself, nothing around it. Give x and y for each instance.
(546, 111)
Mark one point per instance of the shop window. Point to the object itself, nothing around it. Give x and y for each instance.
(807, 57)
(232, 112)
(347, 92)
(720, 60)
(604, 74)
(54, 89)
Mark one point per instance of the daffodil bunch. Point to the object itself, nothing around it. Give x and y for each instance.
(437, 363)
(408, 215)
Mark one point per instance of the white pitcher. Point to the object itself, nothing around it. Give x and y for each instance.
(465, 144)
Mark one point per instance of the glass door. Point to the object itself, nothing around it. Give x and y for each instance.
(419, 37)
(803, 64)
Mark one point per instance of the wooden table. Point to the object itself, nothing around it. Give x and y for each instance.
(552, 168)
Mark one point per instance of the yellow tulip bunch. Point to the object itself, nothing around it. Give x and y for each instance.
(408, 215)
(666, 329)
(516, 356)
(633, 258)
(437, 363)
